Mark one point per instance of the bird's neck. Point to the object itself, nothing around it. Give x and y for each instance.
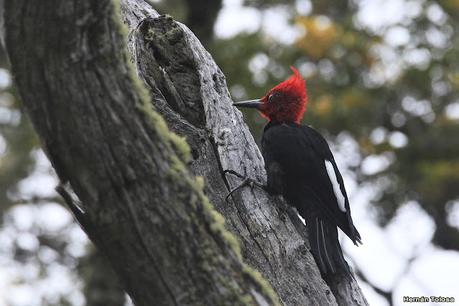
(288, 122)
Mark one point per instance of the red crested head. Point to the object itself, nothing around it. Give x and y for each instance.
(286, 102)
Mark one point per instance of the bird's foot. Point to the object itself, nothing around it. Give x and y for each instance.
(283, 209)
(246, 182)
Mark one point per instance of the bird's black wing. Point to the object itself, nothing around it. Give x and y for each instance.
(295, 159)
(322, 148)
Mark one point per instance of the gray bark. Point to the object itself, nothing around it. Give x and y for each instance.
(143, 209)
(101, 286)
(190, 92)
(141, 206)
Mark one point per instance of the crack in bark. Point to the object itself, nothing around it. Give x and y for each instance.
(248, 228)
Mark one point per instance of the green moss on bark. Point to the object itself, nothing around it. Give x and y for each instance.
(265, 286)
(217, 224)
(181, 147)
(179, 172)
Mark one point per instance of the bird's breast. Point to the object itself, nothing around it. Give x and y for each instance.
(289, 149)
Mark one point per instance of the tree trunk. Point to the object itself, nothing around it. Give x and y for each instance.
(142, 207)
(101, 286)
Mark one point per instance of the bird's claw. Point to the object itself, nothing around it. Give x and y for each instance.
(231, 171)
(282, 210)
(247, 182)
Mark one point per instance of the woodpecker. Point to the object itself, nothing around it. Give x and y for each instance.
(300, 166)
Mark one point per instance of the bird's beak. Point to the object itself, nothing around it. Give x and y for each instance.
(249, 104)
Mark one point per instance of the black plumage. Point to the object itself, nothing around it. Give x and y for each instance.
(301, 167)
(295, 159)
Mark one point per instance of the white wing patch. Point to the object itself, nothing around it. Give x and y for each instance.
(336, 189)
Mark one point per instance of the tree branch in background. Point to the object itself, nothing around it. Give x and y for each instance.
(387, 295)
(201, 18)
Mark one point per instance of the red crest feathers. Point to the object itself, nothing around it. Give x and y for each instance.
(294, 99)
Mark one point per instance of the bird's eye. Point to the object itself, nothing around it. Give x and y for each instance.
(270, 98)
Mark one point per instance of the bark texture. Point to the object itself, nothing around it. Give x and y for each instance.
(186, 85)
(142, 207)
(101, 285)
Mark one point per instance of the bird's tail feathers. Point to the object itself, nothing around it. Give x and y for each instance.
(325, 247)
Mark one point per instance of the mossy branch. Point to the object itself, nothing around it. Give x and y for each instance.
(143, 209)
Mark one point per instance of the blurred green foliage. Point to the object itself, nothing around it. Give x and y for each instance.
(392, 99)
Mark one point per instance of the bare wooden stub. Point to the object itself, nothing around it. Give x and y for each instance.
(190, 91)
